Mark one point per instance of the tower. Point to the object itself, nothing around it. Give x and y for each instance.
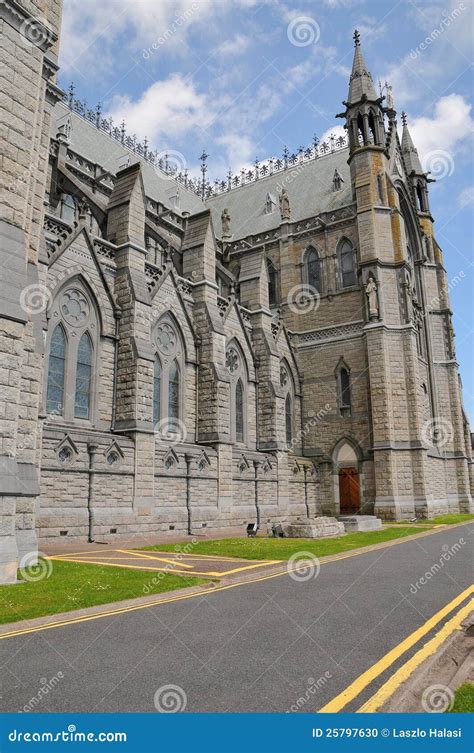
(29, 46)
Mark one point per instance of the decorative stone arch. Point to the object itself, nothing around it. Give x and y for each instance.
(236, 365)
(410, 220)
(98, 295)
(74, 307)
(348, 476)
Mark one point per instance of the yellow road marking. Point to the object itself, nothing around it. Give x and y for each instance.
(356, 687)
(154, 569)
(160, 559)
(122, 610)
(402, 674)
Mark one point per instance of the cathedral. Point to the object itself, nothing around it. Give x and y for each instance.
(186, 355)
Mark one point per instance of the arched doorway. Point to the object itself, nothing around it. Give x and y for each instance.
(348, 478)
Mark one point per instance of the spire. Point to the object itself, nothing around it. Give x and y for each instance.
(360, 82)
(409, 151)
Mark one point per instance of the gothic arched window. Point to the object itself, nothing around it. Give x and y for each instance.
(347, 264)
(157, 391)
(313, 270)
(239, 412)
(71, 372)
(345, 388)
(169, 373)
(56, 372)
(173, 396)
(360, 130)
(82, 396)
(373, 128)
(272, 284)
(420, 197)
(236, 366)
(288, 420)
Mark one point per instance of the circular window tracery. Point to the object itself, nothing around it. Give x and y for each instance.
(74, 307)
(166, 339)
(232, 360)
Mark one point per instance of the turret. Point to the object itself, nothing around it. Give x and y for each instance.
(418, 178)
(364, 111)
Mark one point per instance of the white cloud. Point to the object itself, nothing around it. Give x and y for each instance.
(170, 107)
(91, 28)
(444, 44)
(450, 125)
(234, 46)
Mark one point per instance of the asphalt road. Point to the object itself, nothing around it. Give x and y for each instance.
(257, 647)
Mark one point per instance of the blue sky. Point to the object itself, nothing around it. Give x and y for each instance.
(243, 78)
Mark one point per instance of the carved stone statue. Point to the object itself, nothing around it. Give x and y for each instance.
(372, 297)
(225, 219)
(337, 180)
(390, 102)
(285, 211)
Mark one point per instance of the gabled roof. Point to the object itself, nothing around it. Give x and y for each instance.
(309, 184)
(100, 148)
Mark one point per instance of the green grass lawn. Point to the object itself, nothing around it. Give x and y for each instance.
(449, 520)
(464, 699)
(74, 585)
(268, 548)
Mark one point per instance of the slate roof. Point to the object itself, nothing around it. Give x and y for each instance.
(98, 147)
(310, 191)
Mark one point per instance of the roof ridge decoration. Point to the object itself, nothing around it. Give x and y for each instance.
(202, 187)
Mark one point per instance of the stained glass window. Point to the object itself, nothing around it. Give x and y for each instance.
(346, 256)
(83, 377)
(157, 391)
(288, 420)
(314, 271)
(239, 412)
(173, 397)
(56, 372)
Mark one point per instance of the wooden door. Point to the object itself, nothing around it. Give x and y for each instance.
(349, 491)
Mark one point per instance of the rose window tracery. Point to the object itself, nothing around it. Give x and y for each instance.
(166, 339)
(232, 360)
(74, 307)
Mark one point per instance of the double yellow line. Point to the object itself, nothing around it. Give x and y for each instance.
(386, 691)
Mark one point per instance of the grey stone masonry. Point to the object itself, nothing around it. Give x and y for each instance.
(175, 359)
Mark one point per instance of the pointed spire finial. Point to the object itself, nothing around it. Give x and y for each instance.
(356, 38)
(404, 118)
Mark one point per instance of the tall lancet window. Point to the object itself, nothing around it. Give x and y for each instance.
(83, 377)
(347, 264)
(157, 391)
(313, 270)
(272, 284)
(56, 372)
(288, 420)
(239, 412)
(173, 397)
